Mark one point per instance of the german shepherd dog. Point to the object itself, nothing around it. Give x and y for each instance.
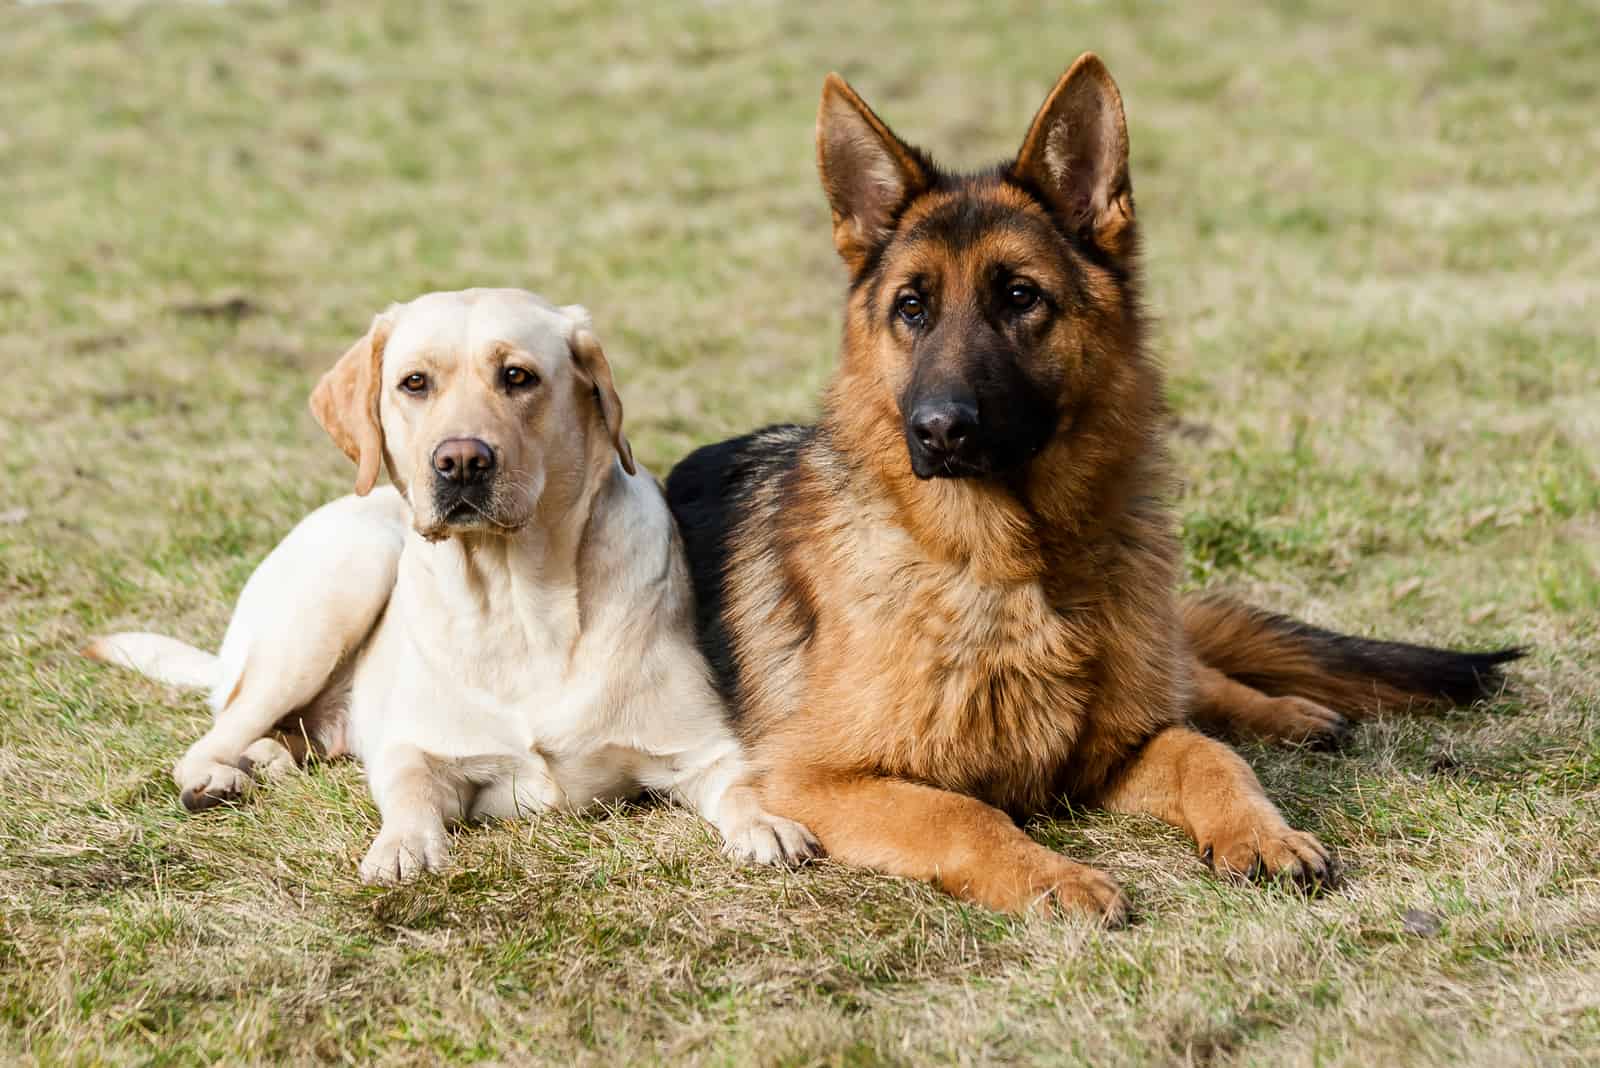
(951, 603)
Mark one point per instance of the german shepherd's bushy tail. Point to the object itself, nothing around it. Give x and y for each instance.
(1283, 657)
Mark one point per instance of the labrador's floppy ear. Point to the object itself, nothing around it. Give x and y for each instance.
(345, 402)
(1076, 154)
(867, 172)
(591, 360)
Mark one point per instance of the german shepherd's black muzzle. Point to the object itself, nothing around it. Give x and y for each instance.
(975, 417)
(942, 434)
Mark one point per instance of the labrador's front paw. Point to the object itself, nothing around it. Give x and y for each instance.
(767, 839)
(400, 855)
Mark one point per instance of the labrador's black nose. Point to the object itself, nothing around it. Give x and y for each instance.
(463, 460)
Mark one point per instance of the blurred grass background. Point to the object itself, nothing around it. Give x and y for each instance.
(1373, 251)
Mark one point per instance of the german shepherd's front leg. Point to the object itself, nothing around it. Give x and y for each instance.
(1200, 785)
(966, 847)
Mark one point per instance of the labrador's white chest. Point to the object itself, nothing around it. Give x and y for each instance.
(501, 695)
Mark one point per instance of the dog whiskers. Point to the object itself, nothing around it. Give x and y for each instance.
(486, 517)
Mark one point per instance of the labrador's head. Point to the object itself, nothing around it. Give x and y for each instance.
(482, 403)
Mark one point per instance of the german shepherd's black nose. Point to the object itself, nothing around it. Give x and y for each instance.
(463, 460)
(943, 428)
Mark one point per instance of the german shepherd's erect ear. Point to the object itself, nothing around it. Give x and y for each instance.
(868, 173)
(1076, 156)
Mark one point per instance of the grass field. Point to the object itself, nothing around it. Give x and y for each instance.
(1373, 246)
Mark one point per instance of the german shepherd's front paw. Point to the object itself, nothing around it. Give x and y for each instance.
(1273, 854)
(1050, 883)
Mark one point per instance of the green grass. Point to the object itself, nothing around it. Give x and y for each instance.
(1373, 253)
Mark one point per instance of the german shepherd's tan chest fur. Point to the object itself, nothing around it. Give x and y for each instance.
(919, 667)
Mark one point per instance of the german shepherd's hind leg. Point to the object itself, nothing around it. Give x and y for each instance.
(1202, 787)
(1227, 705)
(966, 847)
(1303, 671)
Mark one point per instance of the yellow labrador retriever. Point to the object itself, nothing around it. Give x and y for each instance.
(508, 629)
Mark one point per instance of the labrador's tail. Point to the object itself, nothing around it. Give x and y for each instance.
(159, 657)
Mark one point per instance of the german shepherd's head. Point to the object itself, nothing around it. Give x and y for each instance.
(987, 310)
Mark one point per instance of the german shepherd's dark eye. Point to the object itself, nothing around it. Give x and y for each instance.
(416, 382)
(518, 378)
(1020, 296)
(911, 309)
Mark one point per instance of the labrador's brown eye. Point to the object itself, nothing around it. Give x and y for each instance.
(518, 378)
(415, 382)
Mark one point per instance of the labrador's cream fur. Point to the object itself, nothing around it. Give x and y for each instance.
(529, 649)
